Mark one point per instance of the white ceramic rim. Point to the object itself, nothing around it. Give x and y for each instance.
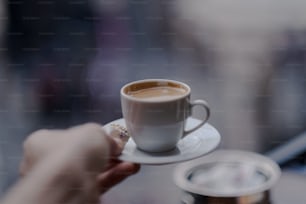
(154, 80)
(265, 164)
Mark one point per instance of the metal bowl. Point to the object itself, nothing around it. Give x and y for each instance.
(227, 177)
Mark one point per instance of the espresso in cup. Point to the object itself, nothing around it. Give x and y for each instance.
(155, 113)
(158, 93)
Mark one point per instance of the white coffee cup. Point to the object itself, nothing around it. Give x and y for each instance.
(155, 113)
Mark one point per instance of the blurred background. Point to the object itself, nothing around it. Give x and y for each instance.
(62, 63)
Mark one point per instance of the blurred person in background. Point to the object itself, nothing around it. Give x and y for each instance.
(259, 66)
(47, 53)
(42, 83)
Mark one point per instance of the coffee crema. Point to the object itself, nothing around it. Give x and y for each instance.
(159, 93)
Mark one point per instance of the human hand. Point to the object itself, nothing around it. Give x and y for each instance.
(84, 157)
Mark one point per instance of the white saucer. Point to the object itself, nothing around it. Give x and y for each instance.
(198, 143)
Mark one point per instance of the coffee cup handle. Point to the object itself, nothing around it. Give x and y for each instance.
(203, 104)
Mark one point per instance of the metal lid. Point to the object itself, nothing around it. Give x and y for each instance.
(227, 173)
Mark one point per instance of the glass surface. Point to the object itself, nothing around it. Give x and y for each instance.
(228, 177)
